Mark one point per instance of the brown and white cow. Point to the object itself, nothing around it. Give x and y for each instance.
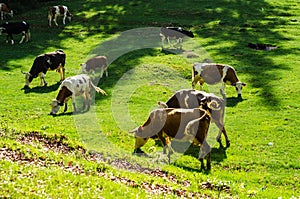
(56, 11)
(177, 33)
(213, 73)
(95, 63)
(188, 98)
(4, 10)
(182, 124)
(72, 87)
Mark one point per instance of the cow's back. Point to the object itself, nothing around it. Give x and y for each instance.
(177, 120)
(77, 84)
(56, 58)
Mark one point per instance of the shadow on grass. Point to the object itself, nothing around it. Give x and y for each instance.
(41, 89)
(233, 101)
(69, 113)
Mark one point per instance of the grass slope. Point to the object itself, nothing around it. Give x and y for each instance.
(263, 160)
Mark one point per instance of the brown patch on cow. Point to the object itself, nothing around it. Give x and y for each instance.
(63, 94)
(231, 76)
(61, 10)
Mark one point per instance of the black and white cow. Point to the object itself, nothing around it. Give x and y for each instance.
(4, 10)
(11, 28)
(42, 63)
(56, 11)
(72, 87)
(176, 33)
(213, 73)
(188, 98)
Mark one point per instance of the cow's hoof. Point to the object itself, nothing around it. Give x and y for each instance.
(52, 113)
(227, 144)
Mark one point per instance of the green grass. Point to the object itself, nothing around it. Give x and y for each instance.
(140, 74)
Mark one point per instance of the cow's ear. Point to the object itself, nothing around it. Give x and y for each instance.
(244, 84)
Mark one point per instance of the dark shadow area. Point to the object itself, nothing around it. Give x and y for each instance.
(233, 101)
(41, 89)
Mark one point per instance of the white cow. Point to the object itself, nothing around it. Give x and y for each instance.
(72, 87)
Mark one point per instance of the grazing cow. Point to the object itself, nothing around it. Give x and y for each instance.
(4, 10)
(72, 87)
(56, 11)
(174, 33)
(213, 73)
(42, 63)
(188, 98)
(99, 62)
(182, 124)
(11, 28)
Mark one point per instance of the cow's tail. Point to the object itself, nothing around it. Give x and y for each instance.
(98, 90)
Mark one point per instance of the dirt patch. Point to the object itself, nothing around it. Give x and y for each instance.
(55, 143)
(59, 145)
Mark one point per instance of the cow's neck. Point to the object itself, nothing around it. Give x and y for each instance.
(230, 76)
(63, 94)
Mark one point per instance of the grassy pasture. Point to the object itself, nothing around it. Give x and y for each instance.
(263, 160)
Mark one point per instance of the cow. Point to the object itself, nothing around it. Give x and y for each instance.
(99, 62)
(49, 61)
(72, 87)
(182, 124)
(11, 28)
(213, 73)
(56, 11)
(189, 98)
(176, 33)
(4, 10)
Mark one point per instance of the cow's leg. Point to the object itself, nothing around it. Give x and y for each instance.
(101, 72)
(88, 96)
(204, 152)
(74, 103)
(42, 78)
(163, 38)
(166, 141)
(49, 20)
(2, 15)
(27, 35)
(23, 37)
(64, 19)
(106, 72)
(84, 101)
(62, 77)
(54, 19)
(180, 41)
(222, 90)
(66, 107)
(195, 80)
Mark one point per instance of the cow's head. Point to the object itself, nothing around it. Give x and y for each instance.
(139, 139)
(28, 78)
(55, 105)
(83, 67)
(239, 86)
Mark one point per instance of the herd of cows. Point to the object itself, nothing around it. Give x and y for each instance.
(185, 116)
